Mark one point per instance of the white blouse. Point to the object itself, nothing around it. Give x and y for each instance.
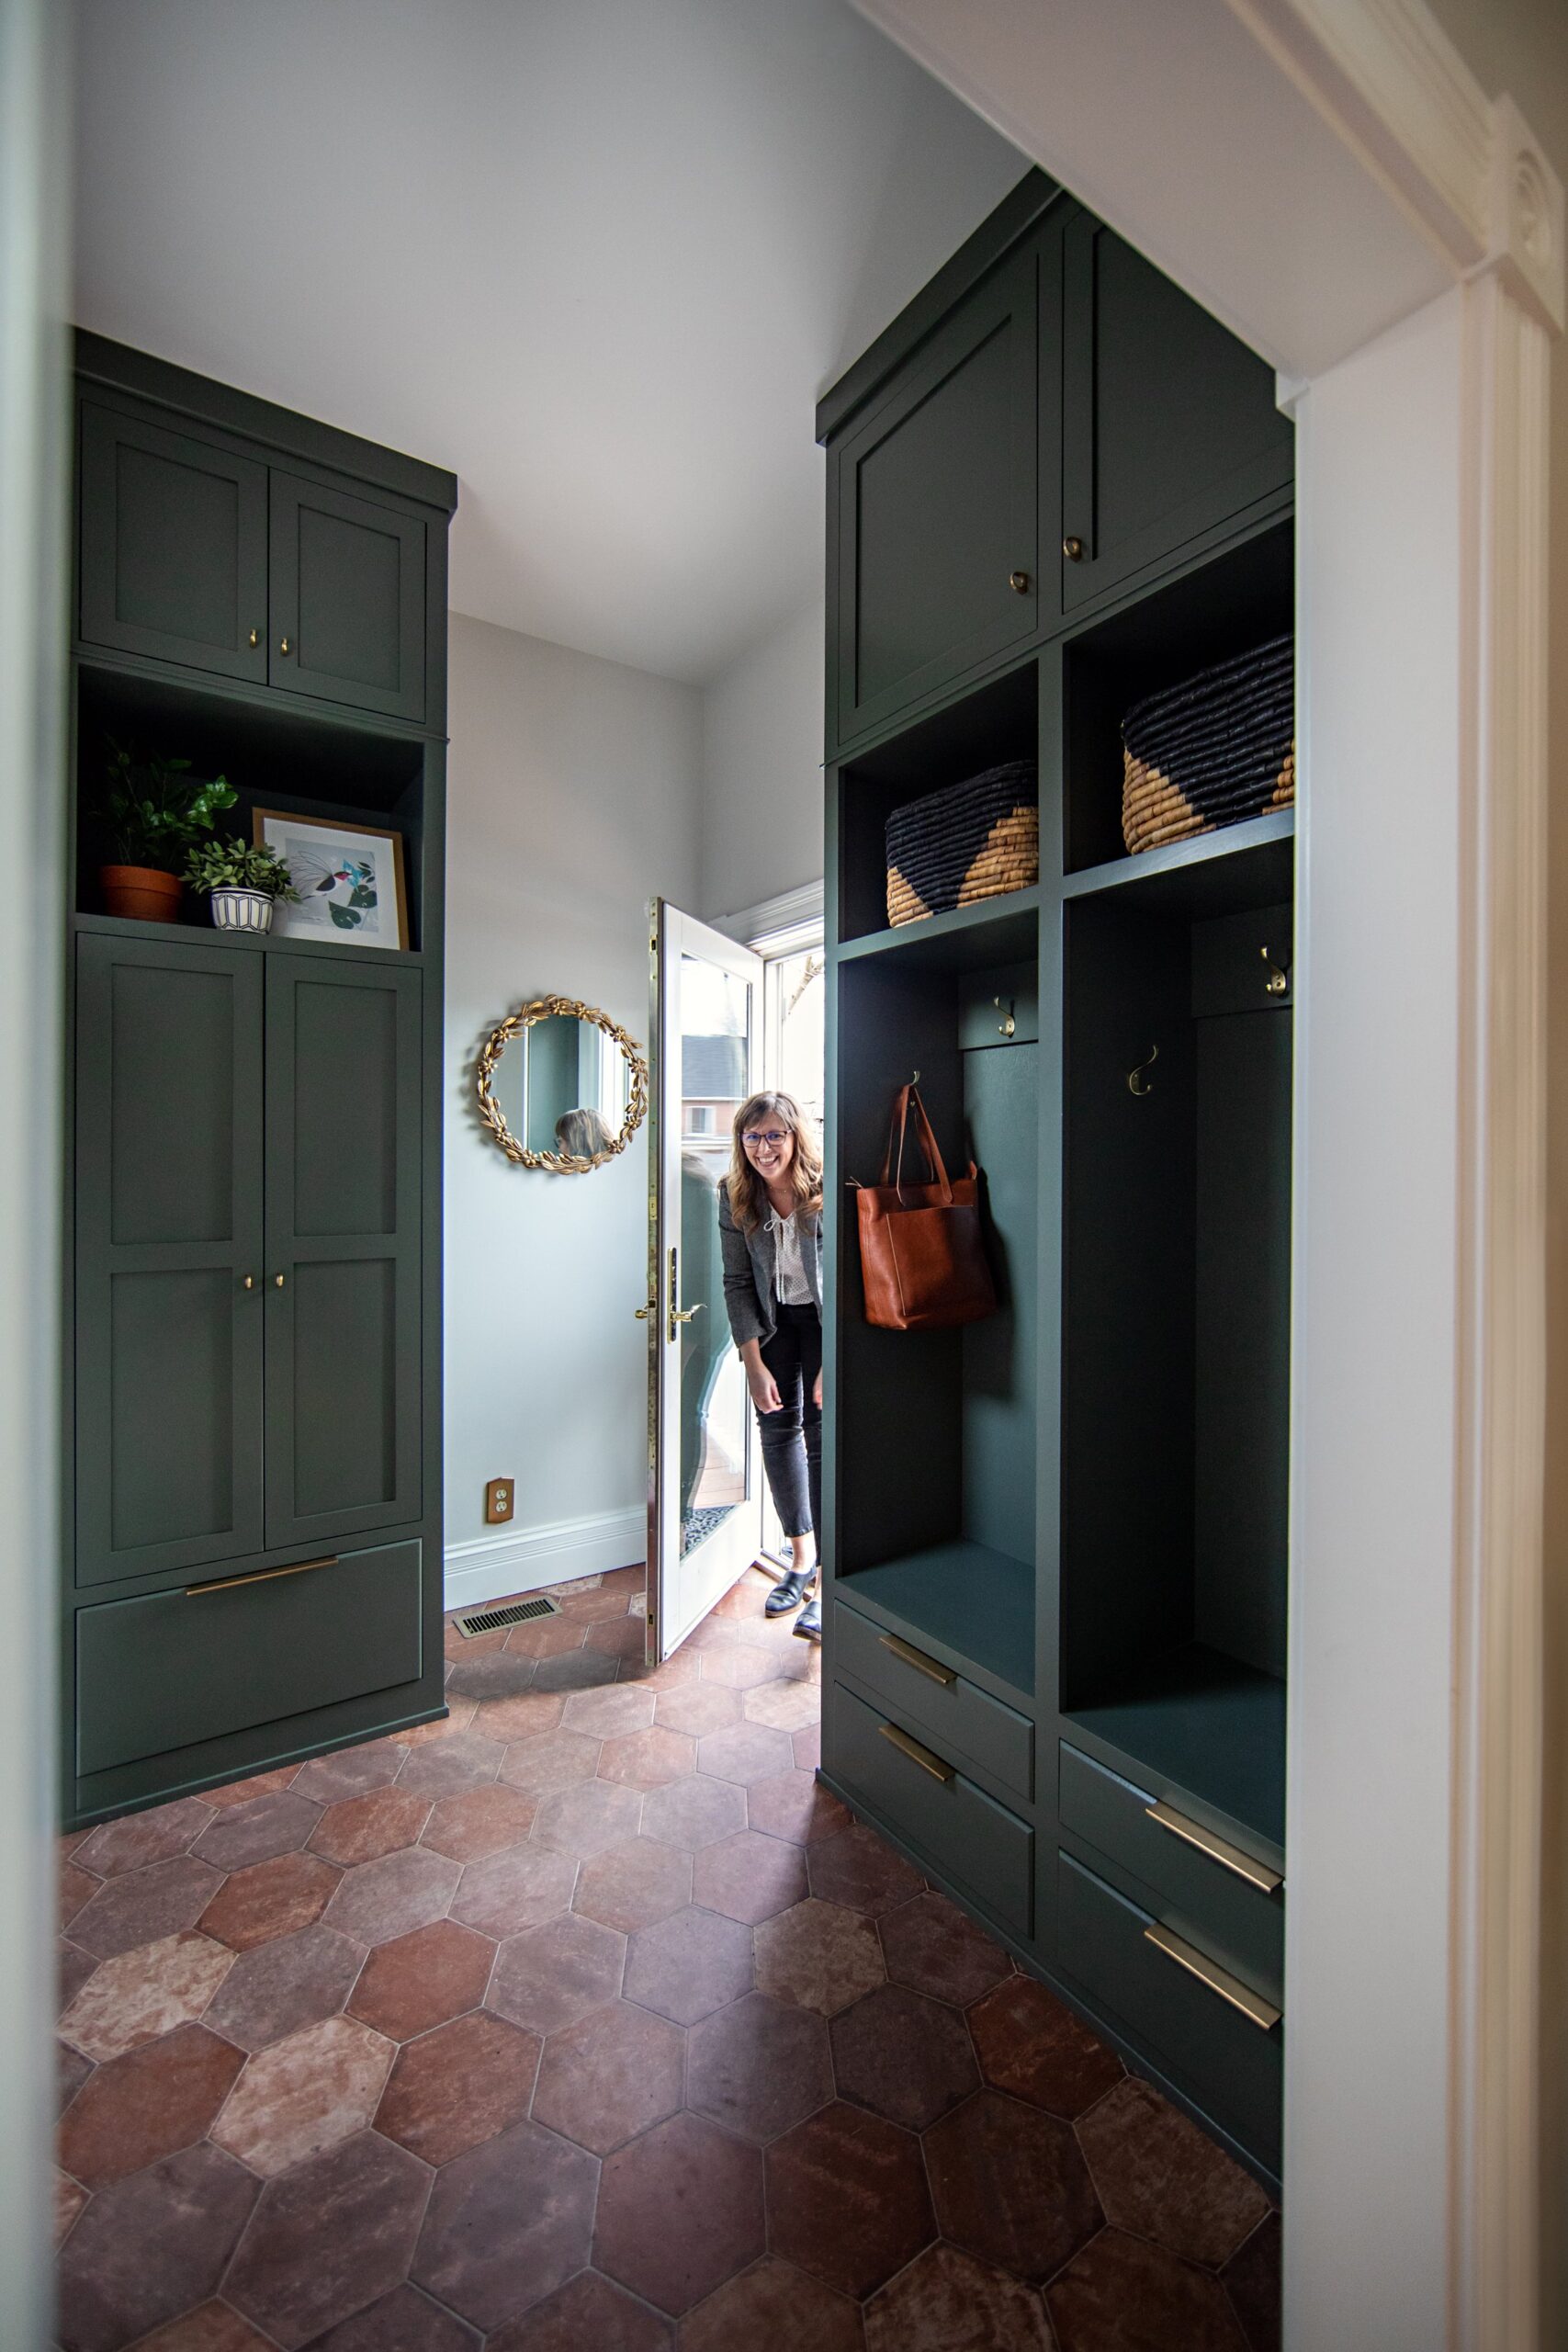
(790, 1279)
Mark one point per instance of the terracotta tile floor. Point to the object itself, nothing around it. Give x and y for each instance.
(586, 2021)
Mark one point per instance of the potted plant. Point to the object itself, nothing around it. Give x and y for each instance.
(152, 811)
(244, 880)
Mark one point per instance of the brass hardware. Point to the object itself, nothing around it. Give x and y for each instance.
(1019, 582)
(1218, 1850)
(908, 1655)
(1278, 981)
(559, 1163)
(262, 1576)
(641, 1314)
(255, 637)
(248, 1282)
(1007, 1024)
(678, 1314)
(277, 1279)
(1073, 550)
(1230, 1988)
(282, 645)
(1136, 1081)
(916, 1753)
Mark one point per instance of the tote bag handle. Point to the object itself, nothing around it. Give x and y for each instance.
(908, 1099)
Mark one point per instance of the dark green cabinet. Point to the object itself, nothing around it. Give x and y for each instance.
(347, 602)
(169, 1308)
(342, 1249)
(174, 544)
(1169, 426)
(937, 508)
(248, 1253)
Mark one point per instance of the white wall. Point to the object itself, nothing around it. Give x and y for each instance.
(762, 769)
(573, 797)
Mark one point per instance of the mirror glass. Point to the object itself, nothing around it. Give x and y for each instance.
(563, 1086)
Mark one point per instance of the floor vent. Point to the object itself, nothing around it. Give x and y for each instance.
(490, 1621)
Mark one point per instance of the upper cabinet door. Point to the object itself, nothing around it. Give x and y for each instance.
(347, 603)
(1169, 425)
(937, 519)
(168, 1205)
(342, 1249)
(174, 546)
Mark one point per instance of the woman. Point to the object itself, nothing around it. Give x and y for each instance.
(770, 1222)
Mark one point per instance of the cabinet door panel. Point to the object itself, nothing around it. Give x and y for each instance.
(937, 509)
(1169, 423)
(174, 546)
(168, 1225)
(348, 599)
(342, 1366)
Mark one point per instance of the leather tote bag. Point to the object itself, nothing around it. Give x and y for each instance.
(922, 1256)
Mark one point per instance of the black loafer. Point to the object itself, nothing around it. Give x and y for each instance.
(809, 1624)
(789, 1592)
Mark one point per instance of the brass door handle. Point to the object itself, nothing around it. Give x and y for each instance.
(641, 1314)
(1256, 2010)
(248, 1282)
(277, 1279)
(1019, 582)
(255, 637)
(282, 645)
(685, 1314)
(1073, 550)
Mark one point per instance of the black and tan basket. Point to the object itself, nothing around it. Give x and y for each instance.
(969, 841)
(1217, 749)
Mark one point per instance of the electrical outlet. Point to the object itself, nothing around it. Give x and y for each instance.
(498, 1502)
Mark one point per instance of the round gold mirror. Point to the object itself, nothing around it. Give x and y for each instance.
(561, 1086)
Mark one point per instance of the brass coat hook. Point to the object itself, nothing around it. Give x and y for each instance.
(1007, 1024)
(1278, 981)
(1136, 1081)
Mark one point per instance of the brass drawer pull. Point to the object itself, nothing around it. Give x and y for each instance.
(916, 1753)
(908, 1655)
(260, 1575)
(1218, 1850)
(1219, 1980)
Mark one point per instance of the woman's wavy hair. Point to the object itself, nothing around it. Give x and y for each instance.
(748, 1194)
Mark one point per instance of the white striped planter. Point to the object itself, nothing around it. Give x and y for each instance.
(242, 911)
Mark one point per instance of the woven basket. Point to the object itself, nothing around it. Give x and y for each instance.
(1220, 748)
(969, 841)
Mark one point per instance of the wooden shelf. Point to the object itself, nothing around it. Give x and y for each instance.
(1205, 1722)
(1213, 874)
(992, 931)
(973, 1606)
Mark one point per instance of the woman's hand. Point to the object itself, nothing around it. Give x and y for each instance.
(764, 1388)
(817, 1390)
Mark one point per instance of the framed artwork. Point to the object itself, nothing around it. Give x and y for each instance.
(349, 877)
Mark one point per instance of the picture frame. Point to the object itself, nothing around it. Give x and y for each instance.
(349, 877)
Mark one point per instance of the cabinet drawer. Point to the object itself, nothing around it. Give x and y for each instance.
(1205, 1898)
(172, 1668)
(1223, 2060)
(961, 1716)
(983, 1846)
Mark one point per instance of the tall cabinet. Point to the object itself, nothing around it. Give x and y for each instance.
(1055, 1540)
(254, 1560)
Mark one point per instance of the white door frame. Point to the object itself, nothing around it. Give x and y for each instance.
(1331, 179)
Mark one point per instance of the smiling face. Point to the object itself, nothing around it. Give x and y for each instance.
(769, 1147)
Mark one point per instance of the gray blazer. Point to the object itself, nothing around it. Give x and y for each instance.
(750, 1287)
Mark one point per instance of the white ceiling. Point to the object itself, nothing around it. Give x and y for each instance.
(598, 256)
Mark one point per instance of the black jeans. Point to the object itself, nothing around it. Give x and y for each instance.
(792, 1438)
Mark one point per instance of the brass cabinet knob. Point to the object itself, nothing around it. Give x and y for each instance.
(282, 645)
(1073, 550)
(250, 1282)
(255, 637)
(278, 1279)
(1019, 582)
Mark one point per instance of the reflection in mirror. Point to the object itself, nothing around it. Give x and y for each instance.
(560, 1086)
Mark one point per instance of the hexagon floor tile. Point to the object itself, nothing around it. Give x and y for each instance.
(586, 2019)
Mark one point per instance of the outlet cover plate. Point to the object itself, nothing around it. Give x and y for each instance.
(500, 1495)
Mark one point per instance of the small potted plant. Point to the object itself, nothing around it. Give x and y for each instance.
(244, 880)
(152, 811)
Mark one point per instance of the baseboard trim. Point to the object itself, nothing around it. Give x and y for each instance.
(523, 1559)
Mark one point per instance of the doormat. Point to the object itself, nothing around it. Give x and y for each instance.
(490, 1621)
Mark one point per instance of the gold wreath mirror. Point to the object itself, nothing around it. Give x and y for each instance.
(561, 1086)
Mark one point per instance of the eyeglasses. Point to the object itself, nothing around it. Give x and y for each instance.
(753, 1141)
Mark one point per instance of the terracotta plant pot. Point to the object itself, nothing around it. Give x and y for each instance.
(142, 891)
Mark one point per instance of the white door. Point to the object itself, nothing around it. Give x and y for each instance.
(705, 1505)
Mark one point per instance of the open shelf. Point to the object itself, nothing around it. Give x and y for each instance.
(963, 1599)
(1205, 1721)
(991, 931)
(1213, 874)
